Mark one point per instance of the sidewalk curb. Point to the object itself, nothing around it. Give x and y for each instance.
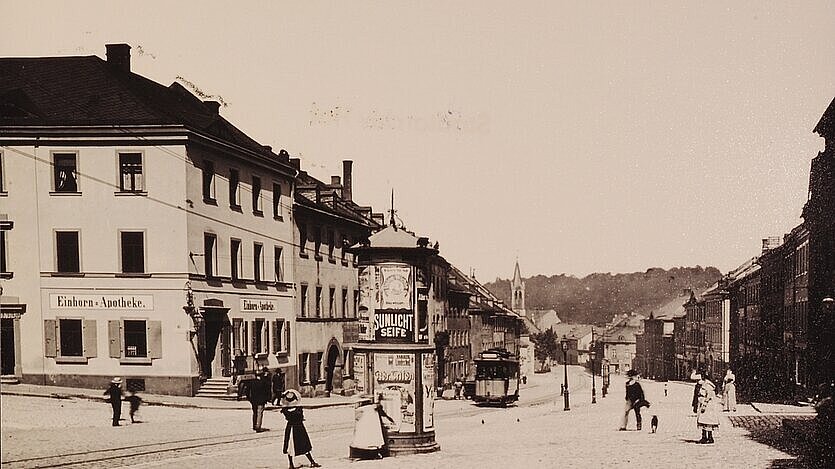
(153, 402)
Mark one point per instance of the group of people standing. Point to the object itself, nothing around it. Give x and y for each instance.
(706, 402)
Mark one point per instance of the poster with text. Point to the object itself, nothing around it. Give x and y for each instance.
(359, 371)
(396, 284)
(369, 300)
(428, 384)
(394, 381)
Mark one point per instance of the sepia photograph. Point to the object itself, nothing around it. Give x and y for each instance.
(417, 234)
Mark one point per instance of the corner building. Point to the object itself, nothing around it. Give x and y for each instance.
(144, 236)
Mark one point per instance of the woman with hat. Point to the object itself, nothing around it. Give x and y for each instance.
(296, 440)
(114, 393)
(708, 416)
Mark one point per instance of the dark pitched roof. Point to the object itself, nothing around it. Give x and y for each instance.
(86, 90)
(827, 123)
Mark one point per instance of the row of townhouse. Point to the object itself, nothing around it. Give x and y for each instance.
(772, 319)
(143, 235)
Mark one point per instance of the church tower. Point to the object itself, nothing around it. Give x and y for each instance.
(517, 291)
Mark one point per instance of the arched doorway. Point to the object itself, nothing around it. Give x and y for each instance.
(333, 366)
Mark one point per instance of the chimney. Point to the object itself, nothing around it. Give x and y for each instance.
(213, 107)
(336, 181)
(296, 163)
(770, 243)
(268, 148)
(347, 191)
(118, 56)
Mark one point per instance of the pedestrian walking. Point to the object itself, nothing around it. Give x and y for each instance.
(459, 385)
(134, 402)
(296, 440)
(371, 434)
(114, 393)
(708, 416)
(729, 394)
(258, 396)
(277, 386)
(634, 400)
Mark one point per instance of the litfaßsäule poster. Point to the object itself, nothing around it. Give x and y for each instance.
(394, 380)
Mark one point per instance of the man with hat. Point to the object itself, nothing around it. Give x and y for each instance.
(634, 399)
(258, 395)
(114, 393)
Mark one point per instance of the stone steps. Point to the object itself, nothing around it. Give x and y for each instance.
(216, 388)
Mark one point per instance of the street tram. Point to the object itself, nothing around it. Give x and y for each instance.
(496, 377)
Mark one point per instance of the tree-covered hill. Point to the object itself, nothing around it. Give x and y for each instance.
(597, 297)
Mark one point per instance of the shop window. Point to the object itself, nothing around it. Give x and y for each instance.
(65, 172)
(130, 172)
(234, 189)
(256, 196)
(258, 344)
(67, 252)
(133, 252)
(257, 261)
(281, 336)
(277, 260)
(71, 338)
(136, 340)
(210, 254)
(208, 182)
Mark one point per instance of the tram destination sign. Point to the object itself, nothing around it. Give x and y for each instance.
(395, 326)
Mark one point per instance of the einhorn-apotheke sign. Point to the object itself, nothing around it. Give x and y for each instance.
(107, 302)
(258, 306)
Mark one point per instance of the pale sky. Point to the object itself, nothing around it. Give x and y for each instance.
(577, 136)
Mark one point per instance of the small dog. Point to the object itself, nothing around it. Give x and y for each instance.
(654, 423)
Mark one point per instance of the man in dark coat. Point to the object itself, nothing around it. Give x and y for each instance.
(634, 399)
(696, 390)
(114, 393)
(258, 396)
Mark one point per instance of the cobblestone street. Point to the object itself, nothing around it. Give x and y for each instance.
(532, 434)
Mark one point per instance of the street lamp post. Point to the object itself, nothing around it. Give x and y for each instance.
(564, 344)
(593, 355)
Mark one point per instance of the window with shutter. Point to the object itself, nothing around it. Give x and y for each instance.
(90, 339)
(154, 339)
(114, 335)
(276, 342)
(50, 327)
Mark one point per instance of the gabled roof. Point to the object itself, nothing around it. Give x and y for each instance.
(826, 125)
(392, 237)
(315, 194)
(88, 91)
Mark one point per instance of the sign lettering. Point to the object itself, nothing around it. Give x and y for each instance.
(106, 302)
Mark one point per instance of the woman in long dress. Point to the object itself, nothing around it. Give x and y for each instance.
(296, 440)
(370, 434)
(729, 396)
(708, 416)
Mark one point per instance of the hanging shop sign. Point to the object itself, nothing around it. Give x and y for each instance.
(258, 306)
(105, 302)
(397, 284)
(428, 385)
(398, 326)
(394, 382)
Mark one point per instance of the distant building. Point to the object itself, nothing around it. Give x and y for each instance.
(619, 342)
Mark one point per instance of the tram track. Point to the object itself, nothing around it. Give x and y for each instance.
(160, 451)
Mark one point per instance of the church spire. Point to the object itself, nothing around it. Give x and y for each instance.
(517, 291)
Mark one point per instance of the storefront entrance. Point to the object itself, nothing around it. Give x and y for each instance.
(217, 356)
(7, 347)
